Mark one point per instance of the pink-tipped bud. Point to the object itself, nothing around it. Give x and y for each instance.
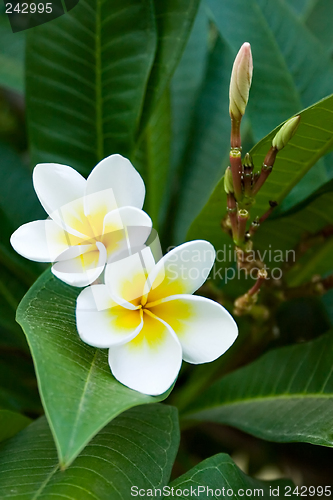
(240, 82)
(285, 133)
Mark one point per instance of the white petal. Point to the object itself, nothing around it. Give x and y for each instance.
(183, 270)
(41, 240)
(83, 266)
(205, 329)
(115, 174)
(126, 278)
(151, 361)
(57, 185)
(103, 323)
(125, 230)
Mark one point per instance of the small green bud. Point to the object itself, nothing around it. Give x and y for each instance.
(285, 133)
(228, 184)
(248, 162)
(240, 82)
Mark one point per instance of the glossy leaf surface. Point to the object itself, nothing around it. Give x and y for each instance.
(79, 394)
(137, 448)
(220, 476)
(87, 73)
(293, 401)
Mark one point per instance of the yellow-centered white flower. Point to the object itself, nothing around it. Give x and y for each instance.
(146, 316)
(91, 222)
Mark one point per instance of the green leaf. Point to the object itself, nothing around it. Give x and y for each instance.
(313, 139)
(209, 147)
(152, 159)
(316, 18)
(11, 423)
(303, 221)
(285, 396)
(220, 474)
(316, 177)
(87, 73)
(79, 394)
(284, 233)
(11, 56)
(174, 20)
(16, 178)
(299, 6)
(291, 69)
(186, 85)
(136, 449)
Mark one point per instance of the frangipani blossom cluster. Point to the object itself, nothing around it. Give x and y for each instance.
(91, 222)
(142, 311)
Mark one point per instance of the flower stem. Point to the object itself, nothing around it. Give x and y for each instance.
(265, 170)
(232, 212)
(242, 218)
(259, 220)
(262, 276)
(236, 158)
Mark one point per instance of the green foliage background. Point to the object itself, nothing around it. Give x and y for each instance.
(149, 79)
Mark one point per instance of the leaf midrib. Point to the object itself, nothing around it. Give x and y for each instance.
(300, 396)
(44, 484)
(279, 52)
(79, 411)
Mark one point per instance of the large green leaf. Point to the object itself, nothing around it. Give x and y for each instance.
(291, 69)
(317, 16)
(174, 20)
(287, 395)
(307, 217)
(220, 476)
(152, 159)
(87, 73)
(313, 139)
(11, 423)
(186, 84)
(209, 144)
(11, 55)
(79, 394)
(299, 6)
(282, 235)
(18, 200)
(137, 449)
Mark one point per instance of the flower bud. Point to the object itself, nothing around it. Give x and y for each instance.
(248, 162)
(285, 133)
(228, 184)
(240, 82)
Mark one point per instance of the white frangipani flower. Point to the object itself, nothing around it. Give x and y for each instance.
(91, 222)
(146, 316)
